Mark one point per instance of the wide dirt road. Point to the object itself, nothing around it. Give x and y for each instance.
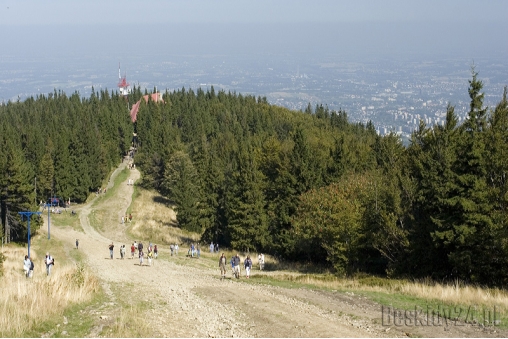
(178, 300)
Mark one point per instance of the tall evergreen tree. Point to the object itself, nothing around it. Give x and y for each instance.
(468, 233)
(246, 216)
(182, 183)
(17, 194)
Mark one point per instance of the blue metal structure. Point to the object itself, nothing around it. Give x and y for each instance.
(28, 214)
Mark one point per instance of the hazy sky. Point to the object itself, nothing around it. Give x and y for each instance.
(69, 30)
(129, 12)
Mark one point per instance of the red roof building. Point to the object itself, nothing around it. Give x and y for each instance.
(156, 97)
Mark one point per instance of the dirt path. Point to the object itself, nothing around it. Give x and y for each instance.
(183, 301)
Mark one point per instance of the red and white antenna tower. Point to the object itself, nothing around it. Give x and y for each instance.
(123, 85)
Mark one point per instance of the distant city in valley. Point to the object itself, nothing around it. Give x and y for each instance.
(393, 94)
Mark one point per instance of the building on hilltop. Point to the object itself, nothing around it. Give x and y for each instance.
(156, 97)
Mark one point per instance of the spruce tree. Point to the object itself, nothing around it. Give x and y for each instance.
(468, 229)
(183, 187)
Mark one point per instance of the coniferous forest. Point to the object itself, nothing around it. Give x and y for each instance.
(306, 186)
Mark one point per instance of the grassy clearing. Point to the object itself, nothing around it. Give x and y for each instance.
(65, 219)
(99, 217)
(154, 220)
(27, 303)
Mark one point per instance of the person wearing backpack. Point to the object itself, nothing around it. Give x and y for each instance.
(49, 261)
(31, 271)
(236, 268)
(111, 247)
(141, 255)
(248, 266)
(26, 265)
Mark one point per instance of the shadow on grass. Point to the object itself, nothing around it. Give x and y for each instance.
(163, 200)
(304, 268)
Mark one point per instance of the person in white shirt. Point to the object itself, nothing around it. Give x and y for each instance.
(26, 265)
(49, 261)
(261, 261)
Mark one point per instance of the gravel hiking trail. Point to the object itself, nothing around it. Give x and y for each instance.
(176, 299)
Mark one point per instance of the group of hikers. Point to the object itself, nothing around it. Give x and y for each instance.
(214, 248)
(126, 218)
(195, 249)
(174, 249)
(28, 265)
(152, 252)
(100, 190)
(235, 265)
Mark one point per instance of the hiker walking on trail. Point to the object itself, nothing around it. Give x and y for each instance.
(247, 263)
(111, 247)
(140, 247)
(232, 266)
(77, 243)
(150, 255)
(222, 266)
(133, 250)
(141, 257)
(237, 266)
(211, 247)
(261, 261)
(26, 265)
(172, 249)
(49, 261)
(155, 252)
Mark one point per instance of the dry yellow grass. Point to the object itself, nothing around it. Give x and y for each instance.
(154, 219)
(456, 293)
(26, 302)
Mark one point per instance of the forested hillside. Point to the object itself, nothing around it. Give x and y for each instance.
(308, 186)
(63, 146)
